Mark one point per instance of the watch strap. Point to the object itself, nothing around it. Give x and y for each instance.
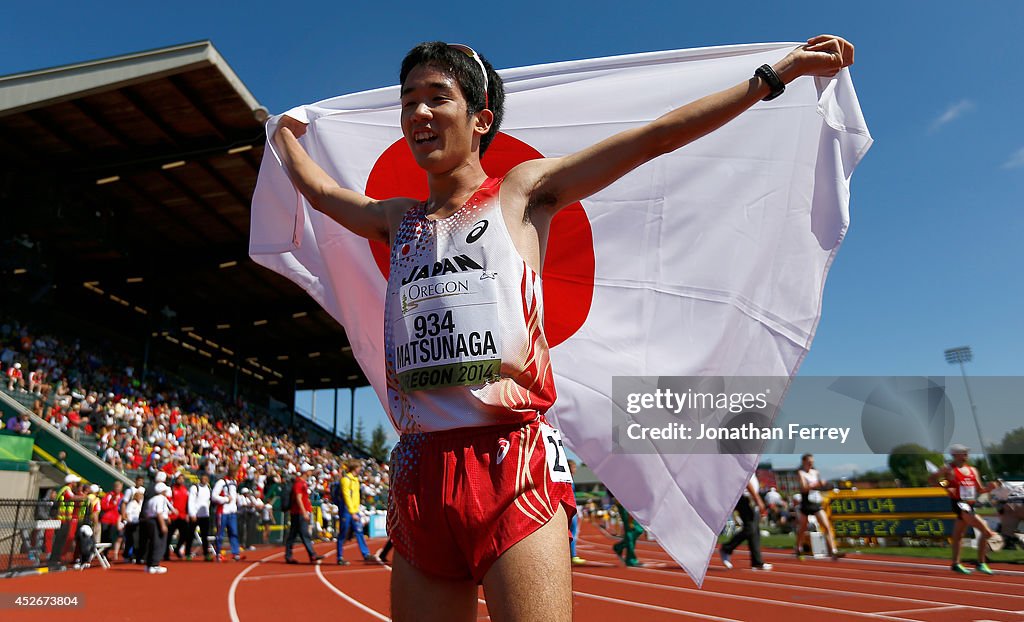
(772, 79)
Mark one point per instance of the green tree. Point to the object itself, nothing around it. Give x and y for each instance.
(360, 434)
(379, 443)
(1007, 456)
(907, 463)
(874, 477)
(984, 468)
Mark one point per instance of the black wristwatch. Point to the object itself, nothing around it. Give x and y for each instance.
(772, 79)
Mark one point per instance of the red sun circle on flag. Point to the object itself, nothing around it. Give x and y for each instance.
(568, 271)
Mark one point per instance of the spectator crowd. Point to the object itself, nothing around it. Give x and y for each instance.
(211, 457)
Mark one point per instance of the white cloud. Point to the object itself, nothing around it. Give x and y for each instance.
(1016, 159)
(952, 113)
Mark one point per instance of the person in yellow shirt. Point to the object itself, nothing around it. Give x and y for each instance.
(348, 510)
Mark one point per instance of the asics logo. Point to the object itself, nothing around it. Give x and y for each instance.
(503, 446)
(478, 230)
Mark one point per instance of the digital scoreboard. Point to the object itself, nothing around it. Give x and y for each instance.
(891, 513)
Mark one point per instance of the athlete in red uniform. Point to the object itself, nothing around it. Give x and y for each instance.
(963, 482)
(476, 496)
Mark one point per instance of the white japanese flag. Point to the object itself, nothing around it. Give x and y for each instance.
(708, 261)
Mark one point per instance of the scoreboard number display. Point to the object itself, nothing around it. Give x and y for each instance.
(844, 504)
(891, 513)
(893, 528)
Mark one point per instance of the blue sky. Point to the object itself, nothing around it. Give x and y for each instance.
(933, 254)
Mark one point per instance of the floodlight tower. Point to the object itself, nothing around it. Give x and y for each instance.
(959, 356)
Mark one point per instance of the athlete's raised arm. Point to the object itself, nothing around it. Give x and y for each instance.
(554, 183)
(356, 212)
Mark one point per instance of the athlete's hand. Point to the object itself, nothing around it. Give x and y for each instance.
(296, 127)
(824, 55)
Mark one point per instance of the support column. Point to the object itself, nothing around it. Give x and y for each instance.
(352, 416)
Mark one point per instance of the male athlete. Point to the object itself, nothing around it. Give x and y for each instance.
(963, 483)
(811, 485)
(480, 493)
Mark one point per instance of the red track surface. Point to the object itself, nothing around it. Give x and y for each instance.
(265, 589)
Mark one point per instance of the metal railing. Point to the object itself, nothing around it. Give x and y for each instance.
(31, 536)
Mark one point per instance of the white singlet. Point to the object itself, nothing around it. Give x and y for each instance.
(813, 481)
(464, 342)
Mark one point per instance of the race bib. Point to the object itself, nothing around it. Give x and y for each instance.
(814, 496)
(558, 465)
(447, 331)
(967, 493)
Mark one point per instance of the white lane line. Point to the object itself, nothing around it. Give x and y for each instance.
(777, 571)
(807, 588)
(234, 585)
(348, 598)
(592, 564)
(648, 562)
(845, 566)
(939, 564)
(241, 576)
(904, 564)
(288, 575)
(908, 586)
(678, 612)
(928, 609)
(746, 599)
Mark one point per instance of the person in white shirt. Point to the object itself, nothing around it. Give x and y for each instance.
(140, 486)
(199, 516)
(110, 455)
(149, 491)
(132, 511)
(225, 495)
(244, 510)
(155, 515)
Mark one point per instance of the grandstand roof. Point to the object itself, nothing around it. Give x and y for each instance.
(125, 197)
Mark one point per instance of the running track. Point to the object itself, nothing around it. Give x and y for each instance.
(265, 589)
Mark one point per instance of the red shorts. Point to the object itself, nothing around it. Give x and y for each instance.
(461, 498)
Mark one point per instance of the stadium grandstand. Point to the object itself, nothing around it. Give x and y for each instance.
(135, 334)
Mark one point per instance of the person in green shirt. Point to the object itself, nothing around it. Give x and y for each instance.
(272, 497)
(626, 548)
(317, 501)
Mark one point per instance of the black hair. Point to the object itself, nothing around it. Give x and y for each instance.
(466, 73)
